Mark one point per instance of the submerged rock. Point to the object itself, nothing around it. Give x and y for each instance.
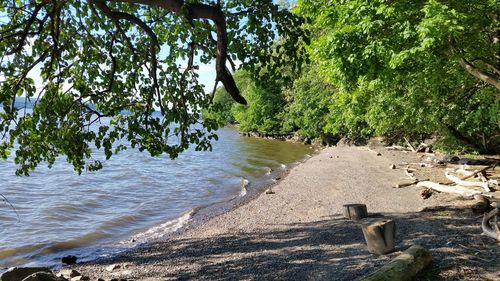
(20, 273)
(69, 260)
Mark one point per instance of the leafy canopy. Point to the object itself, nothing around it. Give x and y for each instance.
(409, 68)
(125, 60)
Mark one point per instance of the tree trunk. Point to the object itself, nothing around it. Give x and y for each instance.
(355, 211)
(380, 236)
(404, 267)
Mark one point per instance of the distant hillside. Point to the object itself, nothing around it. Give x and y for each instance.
(21, 102)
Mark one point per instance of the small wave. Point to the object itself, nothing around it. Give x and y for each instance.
(243, 192)
(166, 228)
(244, 182)
(244, 185)
(283, 166)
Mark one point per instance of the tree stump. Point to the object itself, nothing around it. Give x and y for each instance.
(355, 211)
(380, 236)
(404, 267)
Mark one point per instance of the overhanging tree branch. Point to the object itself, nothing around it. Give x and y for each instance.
(203, 11)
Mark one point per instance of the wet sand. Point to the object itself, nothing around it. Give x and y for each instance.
(298, 232)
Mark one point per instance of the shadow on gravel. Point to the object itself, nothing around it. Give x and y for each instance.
(332, 249)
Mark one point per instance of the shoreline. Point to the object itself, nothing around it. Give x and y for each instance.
(199, 215)
(298, 233)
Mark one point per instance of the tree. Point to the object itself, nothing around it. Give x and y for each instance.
(308, 102)
(410, 68)
(124, 60)
(265, 103)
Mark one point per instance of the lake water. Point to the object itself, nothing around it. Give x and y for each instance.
(133, 199)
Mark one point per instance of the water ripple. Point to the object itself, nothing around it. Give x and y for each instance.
(135, 195)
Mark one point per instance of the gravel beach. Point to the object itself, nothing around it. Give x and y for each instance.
(298, 233)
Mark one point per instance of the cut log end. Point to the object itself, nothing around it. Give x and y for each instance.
(355, 211)
(380, 236)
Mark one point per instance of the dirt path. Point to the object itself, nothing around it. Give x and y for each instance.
(298, 233)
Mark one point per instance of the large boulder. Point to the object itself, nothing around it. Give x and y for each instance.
(19, 273)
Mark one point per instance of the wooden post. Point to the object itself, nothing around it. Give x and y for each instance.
(380, 236)
(355, 211)
(404, 267)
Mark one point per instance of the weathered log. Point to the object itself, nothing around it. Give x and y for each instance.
(404, 267)
(464, 191)
(355, 211)
(380, 236)
(397, 148)
(408, 183)
(475, 172)
(491, 229)
(405, 184)
(461, 182)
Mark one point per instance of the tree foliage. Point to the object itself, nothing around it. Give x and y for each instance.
(308, 102)
(396, 69)
(261, 114)
(100, 58)
(409, 67)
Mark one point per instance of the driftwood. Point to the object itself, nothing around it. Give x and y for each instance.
(464, 191)
(409, 144)
(397, 148)
(409, 183)
(422, 165)
(458, 181)
(380, 236)
(409, 173)
(404, 267)
(470, 174)
(490, 225)
(482, 205)
(355, 211)
(405, 184)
